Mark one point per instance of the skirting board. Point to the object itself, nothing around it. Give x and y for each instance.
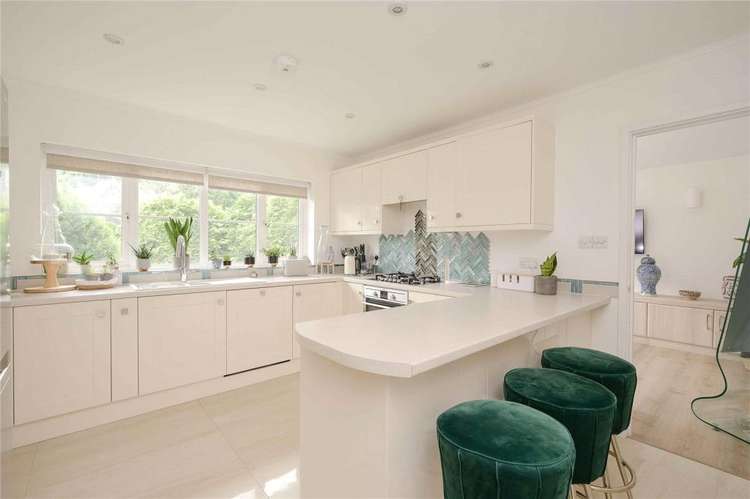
(37, 431)
(684, 347)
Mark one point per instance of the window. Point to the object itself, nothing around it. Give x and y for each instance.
(232, 227)
(157, 202)
(91, 212)
(107, 206)
(282, 223)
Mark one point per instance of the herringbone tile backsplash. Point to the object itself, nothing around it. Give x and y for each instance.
(468, 254)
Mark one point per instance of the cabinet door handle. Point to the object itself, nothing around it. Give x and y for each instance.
(220, 301)
(124, 311)
(458, 214)
(100, 314)
(298, 293)
(262, 292)
(709, 326)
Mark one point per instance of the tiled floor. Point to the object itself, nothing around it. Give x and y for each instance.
(244, 445)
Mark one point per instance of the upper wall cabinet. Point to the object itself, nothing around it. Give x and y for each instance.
(356, 200)
(405, 178)
(500, 178)
(497, 178)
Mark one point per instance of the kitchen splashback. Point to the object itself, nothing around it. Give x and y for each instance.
(469, 254)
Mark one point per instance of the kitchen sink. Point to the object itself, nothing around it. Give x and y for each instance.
(199, 283)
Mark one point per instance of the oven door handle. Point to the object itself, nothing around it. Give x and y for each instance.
(368, 304)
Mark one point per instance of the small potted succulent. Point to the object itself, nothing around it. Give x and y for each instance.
(216, 261)
(143, 254)
(273, 255)
(227, 260)
(83, 259)
(546, 282)
(250, 259)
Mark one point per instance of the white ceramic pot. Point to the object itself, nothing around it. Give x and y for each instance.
(350, 265)
(143, 264)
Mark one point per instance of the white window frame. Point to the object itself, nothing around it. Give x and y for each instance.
(130, 219)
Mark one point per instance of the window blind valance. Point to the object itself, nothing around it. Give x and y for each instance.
(255, 186)
(102, 167)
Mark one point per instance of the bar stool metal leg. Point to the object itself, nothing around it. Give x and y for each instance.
(628, 479)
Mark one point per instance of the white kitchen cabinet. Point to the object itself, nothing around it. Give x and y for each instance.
(501, 178)
(694, 326)
(443, 171)
(183, 339)
(352, 298)
(405, 178)
(640, 318)
(259, 327)
(346, 200)
(124, 348)
(62, 358)
(371, 207)
(415, 297)
(316, 301)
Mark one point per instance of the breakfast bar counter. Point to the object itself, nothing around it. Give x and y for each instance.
(373, 384)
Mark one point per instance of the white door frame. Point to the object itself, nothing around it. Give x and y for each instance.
(627, 205)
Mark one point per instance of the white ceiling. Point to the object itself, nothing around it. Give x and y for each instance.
(401, 76)
(723, 139)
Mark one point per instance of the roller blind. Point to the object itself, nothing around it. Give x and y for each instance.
(258, 187)
(102, 167)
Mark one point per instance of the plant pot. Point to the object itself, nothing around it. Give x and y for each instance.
(227, 263)
(250, 261)
(143, 264)
(545, 285)
(216, 263)
(85, 268)
(273, 260)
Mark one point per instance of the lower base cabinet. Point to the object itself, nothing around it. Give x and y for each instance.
(353, 297)
(259, 328)
(694, 326)
(182, 339)
(316, 301)
(62, 358)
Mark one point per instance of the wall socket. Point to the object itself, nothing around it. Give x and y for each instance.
(593, 242)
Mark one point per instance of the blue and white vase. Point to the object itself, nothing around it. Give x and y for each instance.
(648, 275)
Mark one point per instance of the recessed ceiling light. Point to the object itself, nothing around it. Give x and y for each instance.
(286, 63)
(350, 116)
(485, 64)
(397, 9)
(113, 39)
(260, 87)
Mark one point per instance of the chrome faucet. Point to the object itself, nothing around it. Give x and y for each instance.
(181, 257)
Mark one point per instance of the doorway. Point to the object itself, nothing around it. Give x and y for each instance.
(690, 198)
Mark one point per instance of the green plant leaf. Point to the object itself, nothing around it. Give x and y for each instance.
(549, 265)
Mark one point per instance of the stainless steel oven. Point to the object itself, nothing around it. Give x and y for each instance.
(382, 298)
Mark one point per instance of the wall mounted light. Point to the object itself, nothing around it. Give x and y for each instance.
(693, 197)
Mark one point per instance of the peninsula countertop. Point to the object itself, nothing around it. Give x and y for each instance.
(406, 341)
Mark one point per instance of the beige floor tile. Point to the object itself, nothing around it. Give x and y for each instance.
(240, 485)
(63, 458)
(195, 459)
(16, 472)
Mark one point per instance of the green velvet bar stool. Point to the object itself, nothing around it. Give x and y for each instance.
(619, 376)
(584, 407)
(492, 449)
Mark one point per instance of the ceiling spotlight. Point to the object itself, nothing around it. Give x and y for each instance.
(485, 64)
(397, 9)
(286, 63)
(260, 87)
(113, 39)
(350, 116)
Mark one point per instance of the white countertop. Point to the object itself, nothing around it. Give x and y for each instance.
(406, 341)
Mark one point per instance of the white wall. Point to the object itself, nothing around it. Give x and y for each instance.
(694, 247)
(43, 114)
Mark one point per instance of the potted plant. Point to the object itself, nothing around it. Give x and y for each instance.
(83, 259)
(227, 261)
(143, 255)
(273, 255)
(250, 259)
(292, 251)
(176, 227)
(546, 282)
(728, 280)
(216, 261)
